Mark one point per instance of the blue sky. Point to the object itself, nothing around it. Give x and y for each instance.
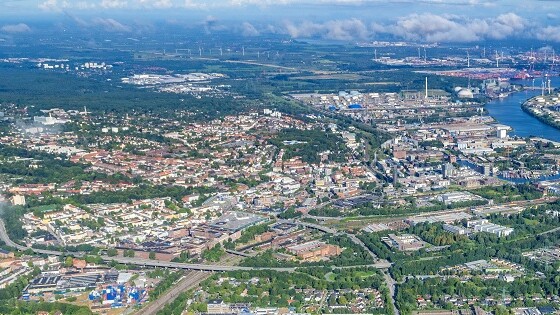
(422, 20)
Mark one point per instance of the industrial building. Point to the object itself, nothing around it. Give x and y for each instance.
(235, 221)
(459, 230)
(314, 250)
(486, 226)
(404, 242)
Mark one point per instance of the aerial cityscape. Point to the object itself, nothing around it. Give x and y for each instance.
(279, 157)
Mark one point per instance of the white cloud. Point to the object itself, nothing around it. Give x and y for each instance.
(113, 4)
(259, 2)
(158, 4)
(334, 29)
(111, 25)
(49, 5)
(57, 5)
(426, 27)
(549, 33)
(84, 5)
(194, 4)
(450, 28)
(15, 28)
(247, 29)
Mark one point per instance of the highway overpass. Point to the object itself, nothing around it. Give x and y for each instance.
(163, 264)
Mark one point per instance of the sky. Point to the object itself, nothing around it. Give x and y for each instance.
(346, 20)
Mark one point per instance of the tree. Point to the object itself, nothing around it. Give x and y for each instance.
(68, 261)
(152, 255)
(342, 300)
(112, 252)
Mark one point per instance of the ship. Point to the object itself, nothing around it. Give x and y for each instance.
(522, 75)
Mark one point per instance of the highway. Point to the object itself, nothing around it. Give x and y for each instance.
(329, 230)
(234, 252)
(159, 263)
(189, 281)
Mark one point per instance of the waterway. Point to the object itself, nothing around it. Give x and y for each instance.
(508, 111)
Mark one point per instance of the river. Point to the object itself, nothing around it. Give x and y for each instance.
(508, 111)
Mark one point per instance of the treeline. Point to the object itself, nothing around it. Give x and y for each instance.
(508, 193)
(33, 308)
(310, 144)
(368, 209)
(143, 191)
(487, 246)
(168, 280)
(50, 168)
(437, 288)
(249, 233)
(283, 289)
(326, 212)
(351, 255)
(347, 278)
(179, 304)
(531, 221)
(45, 90)
(435, 234)
(289, 213)
(11, 216)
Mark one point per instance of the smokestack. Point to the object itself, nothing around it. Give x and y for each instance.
(426, 96)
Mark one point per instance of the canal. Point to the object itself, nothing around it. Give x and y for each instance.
(508, 111)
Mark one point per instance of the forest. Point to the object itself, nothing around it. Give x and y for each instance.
(309, 144)
(508, 193)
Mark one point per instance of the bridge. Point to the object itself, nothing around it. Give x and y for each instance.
(237, 253)
(166, 264)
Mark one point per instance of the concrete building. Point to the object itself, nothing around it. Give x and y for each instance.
(459, 230)
(314, 250)
(18, 200)
(486, 226)
(218, 307)
(405, 242)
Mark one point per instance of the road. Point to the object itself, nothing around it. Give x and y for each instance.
(384, 218)
(196, 272)
(237, 253)
(549, 231)
(159, 263)
(325, 229)
(190, 280)
(392, 292)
